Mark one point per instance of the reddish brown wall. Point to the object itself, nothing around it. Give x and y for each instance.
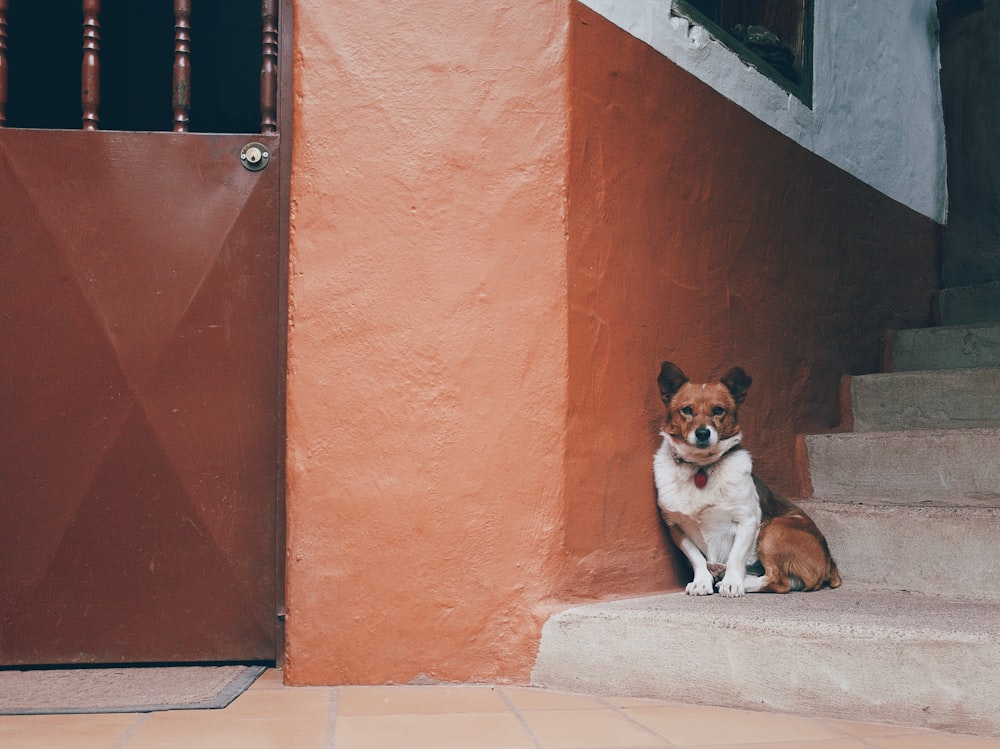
(700, 235)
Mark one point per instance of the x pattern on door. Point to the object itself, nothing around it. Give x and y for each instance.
(139, 352)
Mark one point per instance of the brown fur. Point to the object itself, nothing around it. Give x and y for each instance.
(789, 543)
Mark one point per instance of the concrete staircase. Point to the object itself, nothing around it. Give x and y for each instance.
(910, 503)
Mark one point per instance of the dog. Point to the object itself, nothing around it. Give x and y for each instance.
(733, 529)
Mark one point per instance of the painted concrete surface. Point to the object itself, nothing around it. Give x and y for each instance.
(877, 109)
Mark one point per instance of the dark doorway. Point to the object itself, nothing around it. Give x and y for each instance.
(137, 50)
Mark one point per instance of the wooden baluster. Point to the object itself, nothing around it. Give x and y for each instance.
(269, 68)
(182, 65)
(91, 79)
(3, 63)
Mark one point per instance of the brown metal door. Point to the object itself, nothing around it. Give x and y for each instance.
(140, 380)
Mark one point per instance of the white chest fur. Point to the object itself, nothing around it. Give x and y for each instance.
(709, 515)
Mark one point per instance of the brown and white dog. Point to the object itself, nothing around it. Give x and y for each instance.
(726, 521)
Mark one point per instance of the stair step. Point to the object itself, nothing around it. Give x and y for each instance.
(937, 551)
(968, 305)
(848, 653)
(917, 467)
(944, 399)
(952, 347)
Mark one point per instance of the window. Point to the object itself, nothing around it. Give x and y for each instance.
(774, 36)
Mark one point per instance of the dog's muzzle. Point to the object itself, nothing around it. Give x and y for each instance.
(703, 437)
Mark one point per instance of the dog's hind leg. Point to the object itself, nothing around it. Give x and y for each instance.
(793, 557)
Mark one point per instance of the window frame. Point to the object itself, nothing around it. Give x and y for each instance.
(801, 90)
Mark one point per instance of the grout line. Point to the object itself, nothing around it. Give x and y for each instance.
(630, 719)
(331, 718)
(130, 731)
(520, 718)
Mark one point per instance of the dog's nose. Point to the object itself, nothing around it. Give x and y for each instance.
(702, 434)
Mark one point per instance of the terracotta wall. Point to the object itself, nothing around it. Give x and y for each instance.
(427, 348)
(503, 216)
(699, 234)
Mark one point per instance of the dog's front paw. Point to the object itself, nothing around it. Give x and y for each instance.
(731, 587)
(696, 588)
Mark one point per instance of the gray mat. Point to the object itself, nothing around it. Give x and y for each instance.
(132, 689)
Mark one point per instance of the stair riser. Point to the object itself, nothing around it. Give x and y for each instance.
(956, 467)
(946, 552)
(902, 678)
(946, 348)
(970, 305)
(957, 399)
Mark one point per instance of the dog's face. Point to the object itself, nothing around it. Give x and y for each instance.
(699, 416)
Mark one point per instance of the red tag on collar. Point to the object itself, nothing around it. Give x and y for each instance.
(700, 478)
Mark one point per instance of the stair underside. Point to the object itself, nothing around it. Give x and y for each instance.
(849, 653)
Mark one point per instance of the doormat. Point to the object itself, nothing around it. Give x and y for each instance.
(131, 689)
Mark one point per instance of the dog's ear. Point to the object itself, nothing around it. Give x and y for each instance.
(670, 380)
(737, 382)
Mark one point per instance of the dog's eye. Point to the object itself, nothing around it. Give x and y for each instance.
(687, 411)
(718, 411)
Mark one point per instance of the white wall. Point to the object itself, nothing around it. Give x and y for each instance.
(876, 96)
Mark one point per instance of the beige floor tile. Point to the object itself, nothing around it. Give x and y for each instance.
(934, 741)
(588, 729)
(527, 698)
(418, 700)
(845, 743)
(441, 731)
(694, 725)
(624, 702)
(257, 720)
(270, 679)
(865, 730)
(64, 731)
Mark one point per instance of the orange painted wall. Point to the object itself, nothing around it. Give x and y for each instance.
(427, 347)
(503, 217)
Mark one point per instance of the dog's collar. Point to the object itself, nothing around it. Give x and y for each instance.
(700, 476)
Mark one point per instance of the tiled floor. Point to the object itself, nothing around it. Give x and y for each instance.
(460, 717)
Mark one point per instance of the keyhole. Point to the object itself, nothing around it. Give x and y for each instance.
(254, 156)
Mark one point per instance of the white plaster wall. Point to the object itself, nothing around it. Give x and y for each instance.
(876, 95)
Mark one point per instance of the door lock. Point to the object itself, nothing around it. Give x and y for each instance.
(254, 156)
